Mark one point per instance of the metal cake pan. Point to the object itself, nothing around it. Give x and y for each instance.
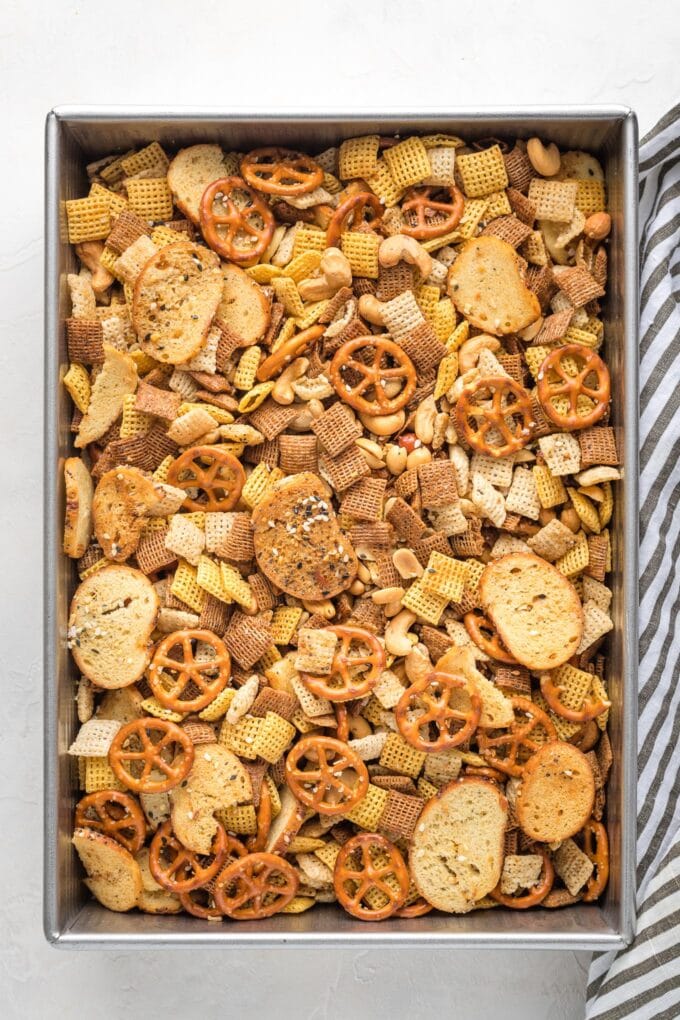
(76, 135)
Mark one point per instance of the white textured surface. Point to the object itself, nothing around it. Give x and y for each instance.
(382, 54)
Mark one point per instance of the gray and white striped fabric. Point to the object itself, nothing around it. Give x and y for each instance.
(644, 980)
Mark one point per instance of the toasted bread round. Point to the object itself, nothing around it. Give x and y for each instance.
(534, 608)
(122, 500)
(174, 301)
(78, 511)
(117, 378)
(112, 615)
(113, 874)
(190, 173)
(456, 852)
(579, 166)
(298, 542)
(217, 780)
(287, 823)
(556, 794)
(154, 899)
(243, 307)
(486, 287)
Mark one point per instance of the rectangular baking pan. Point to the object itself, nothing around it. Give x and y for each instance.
(76, 135)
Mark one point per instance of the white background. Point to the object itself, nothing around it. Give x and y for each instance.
(343, 54)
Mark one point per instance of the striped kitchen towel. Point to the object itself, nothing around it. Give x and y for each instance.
(644, 979)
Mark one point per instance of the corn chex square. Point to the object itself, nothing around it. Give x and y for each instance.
(445, 576)
(400, 757)
(482, 173)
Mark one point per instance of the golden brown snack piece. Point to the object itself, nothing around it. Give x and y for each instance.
(217, 779)
(112, 615)
(534, 608)
(78, 510)
(190, 173)
(122, 500)
(113, 874)
(486, 287)
(557, 793)
(298, 542)
(175, 299)
(117, 378)
(457, 849)
(243, 307)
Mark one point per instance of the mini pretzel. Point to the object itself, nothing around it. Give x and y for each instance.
(168, 859)
(502, 419)
(595, 832)
(237, 230)
(426, 702)
(417, 909)
(200, 902)
(264, 821)
(424, 208)
(169, 677)
(478, 627)
(350, 214)
(116, 814)
(281, 171)
(337, 783)
(255, 886)
(287, 352)
(134, 756)
(379, 861)
(536, 894)
(593, 706)
(344, 682)
(221, 479)
(373, 374)
(517, 739)
(574, 386)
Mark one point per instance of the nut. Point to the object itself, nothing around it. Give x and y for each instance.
(398, 640)
(571, 519)
(597, 475)
(358, 727)
(335, 272)
(598, 226)
(357, 587)
(318, 388)
(283, 392)
(423, 420)
(407, 564)
(469, 352)
(324, 608)
(89, 253)
(384, 424)
(546, 515)
(545, 160)
(395, 459)
(372, 453)
(371, 309)
(421, 455)
(401, 248)
(384, 596)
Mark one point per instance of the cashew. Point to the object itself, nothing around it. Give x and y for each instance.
(324, 607)
(384, 424)
(357, 587)
(395, 459)
(468, 355)
(401, 248)
(597, 475)
(89, 253)
(598, 226)
(421, 455)
(406, 563)
(456, 391)
(424, 418)
(307, 414)
(384, 596)
(398, 641)
(418, 663)
(371, 309)
(335, 272)
(372, 453)
(283, 392)
(392, 609)
(318, 388)
(544, 159)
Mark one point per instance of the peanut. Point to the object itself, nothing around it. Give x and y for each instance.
(598, 226)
